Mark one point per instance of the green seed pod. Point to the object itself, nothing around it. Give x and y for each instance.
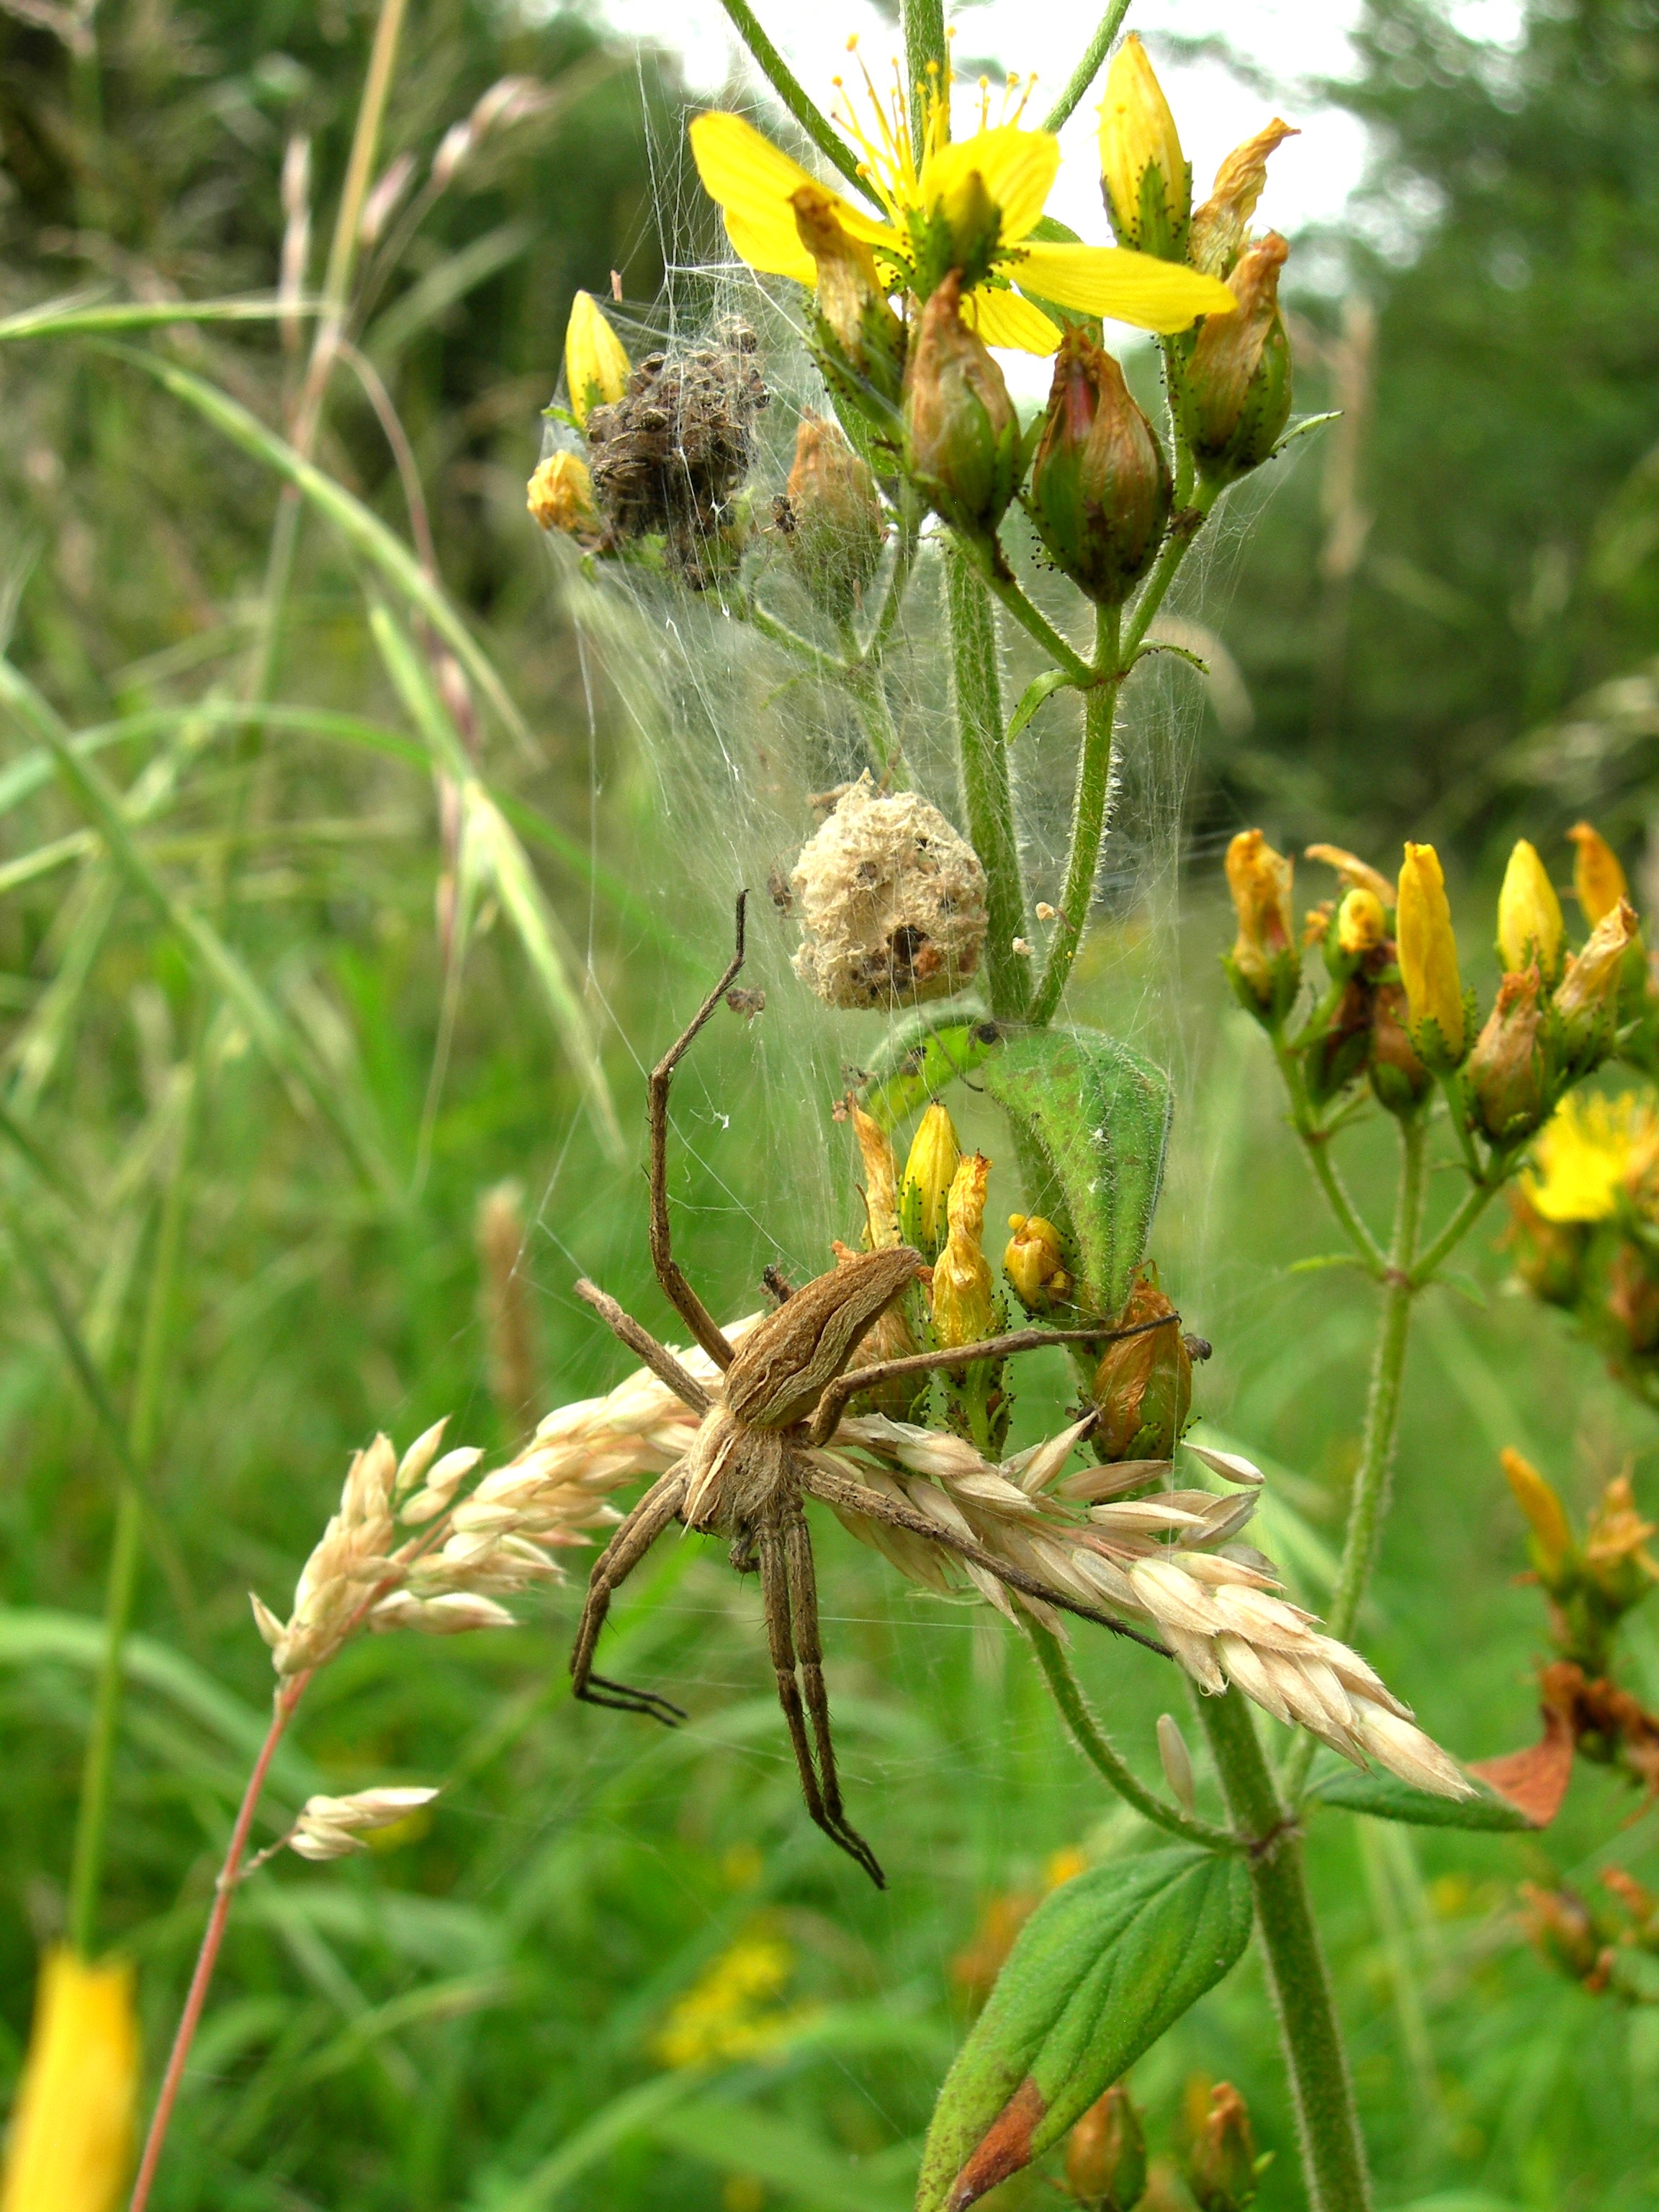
(961, 433)
(1221, 2164)
(1238, 387)
(836, 527)
(1106, 2154)
(1100, 493)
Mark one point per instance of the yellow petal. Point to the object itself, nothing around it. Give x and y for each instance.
(1127, 288)
(752, 181)
(596, 363)
(1018, 167)
(1003, 318)
(70, 2145)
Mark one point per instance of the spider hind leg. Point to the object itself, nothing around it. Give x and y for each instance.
(788, 1588)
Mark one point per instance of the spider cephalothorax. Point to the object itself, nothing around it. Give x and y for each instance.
(757, 1458)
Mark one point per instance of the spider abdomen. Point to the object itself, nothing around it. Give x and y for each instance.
(786, 1362)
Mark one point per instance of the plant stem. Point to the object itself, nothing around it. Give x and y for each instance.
(1321, 2090)
(976, 698)
(1088, 68)
(1182, 531)
(126, 1551)
(1067, 1693)
(1315, 1142)
(921, 25)
(789, 89)
(1088, 803)
(892, 605)
(1060, 650)
(288, 1697)
(1473, 1205)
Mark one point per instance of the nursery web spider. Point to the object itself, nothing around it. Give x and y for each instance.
(757, 1458)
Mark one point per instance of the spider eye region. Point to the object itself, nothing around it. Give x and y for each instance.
(790, 1359)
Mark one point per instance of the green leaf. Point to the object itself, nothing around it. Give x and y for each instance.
(1100, 1971)
(1386, 1799)
(1040, 689)
(81, 314)
(921, 1057)
(1099, 1115)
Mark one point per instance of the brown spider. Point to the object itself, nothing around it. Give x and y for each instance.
(755, 1459)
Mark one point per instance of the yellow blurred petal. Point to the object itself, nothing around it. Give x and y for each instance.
(1018, 167)
(71, 2144)
(773, 246)
(1003, 318)
(1126, 286)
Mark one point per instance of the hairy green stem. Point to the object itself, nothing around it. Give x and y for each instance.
(976, 698)
(1321, 2090)
(789, 89)
(1189, 521)
(1088, 68)
(1473, 1205)
(921, 26)
(898, 583)
(1089, 805)
(1060, 650)
(1086, 1732)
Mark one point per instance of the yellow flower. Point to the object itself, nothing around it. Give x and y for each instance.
(1034, 1261)
(596, 364)
(1143, 171)
(880, 1180)
(1591, 983)
(1587, 1152)
(1545, 1514)
(1529, 925)
(970, 205)
(1361, 924)
(1221, 225)
(930, 1169)
(560, 496)
(1597, 877)
(1260, 881)
(963, 1289)
(71, 2127)
(1428, 950)
(733, 2012)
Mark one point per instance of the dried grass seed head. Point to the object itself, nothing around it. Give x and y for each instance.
(891, 903)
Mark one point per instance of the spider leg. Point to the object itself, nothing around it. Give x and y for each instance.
(774, 1600)
(855, 1498)
(833, 1403)
(679, 1292)
(637, 1534)
(644, 1346)
(803, 1608)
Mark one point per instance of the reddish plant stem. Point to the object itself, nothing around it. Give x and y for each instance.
(206, 1958)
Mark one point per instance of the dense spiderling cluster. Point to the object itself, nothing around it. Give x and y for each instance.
(669, 456)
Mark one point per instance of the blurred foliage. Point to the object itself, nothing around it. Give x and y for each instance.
(489, 2015)
(1477, 545)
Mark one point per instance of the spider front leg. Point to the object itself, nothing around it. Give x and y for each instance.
(637, 1534)
(780, 1552)
(679, 1292)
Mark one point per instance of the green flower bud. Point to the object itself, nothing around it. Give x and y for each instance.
(1221, 2164)
(1100, 492)
(1238, 387)
(961, 433)
(1106, 2154)
(856, 338)
(836, 527)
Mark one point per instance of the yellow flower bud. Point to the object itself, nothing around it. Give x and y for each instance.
(1144, 174)
(1428, 957)
(964, 1294)
(1106, 2154)
(560, 497)
(1529, 925)
(859, 335)
(596, 363)
(1597, 877)
(1546, 1516)
(1615, 1553)
(1361, 924)
(1237, 395)
(1506, 1073)
(1591, 982)
(1221, 2158)
(1034, 1261)
(1355, 873)
(1221, 225)
(928, 1173)
(70, 2143)
(1260, 881)
(880, 1180)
